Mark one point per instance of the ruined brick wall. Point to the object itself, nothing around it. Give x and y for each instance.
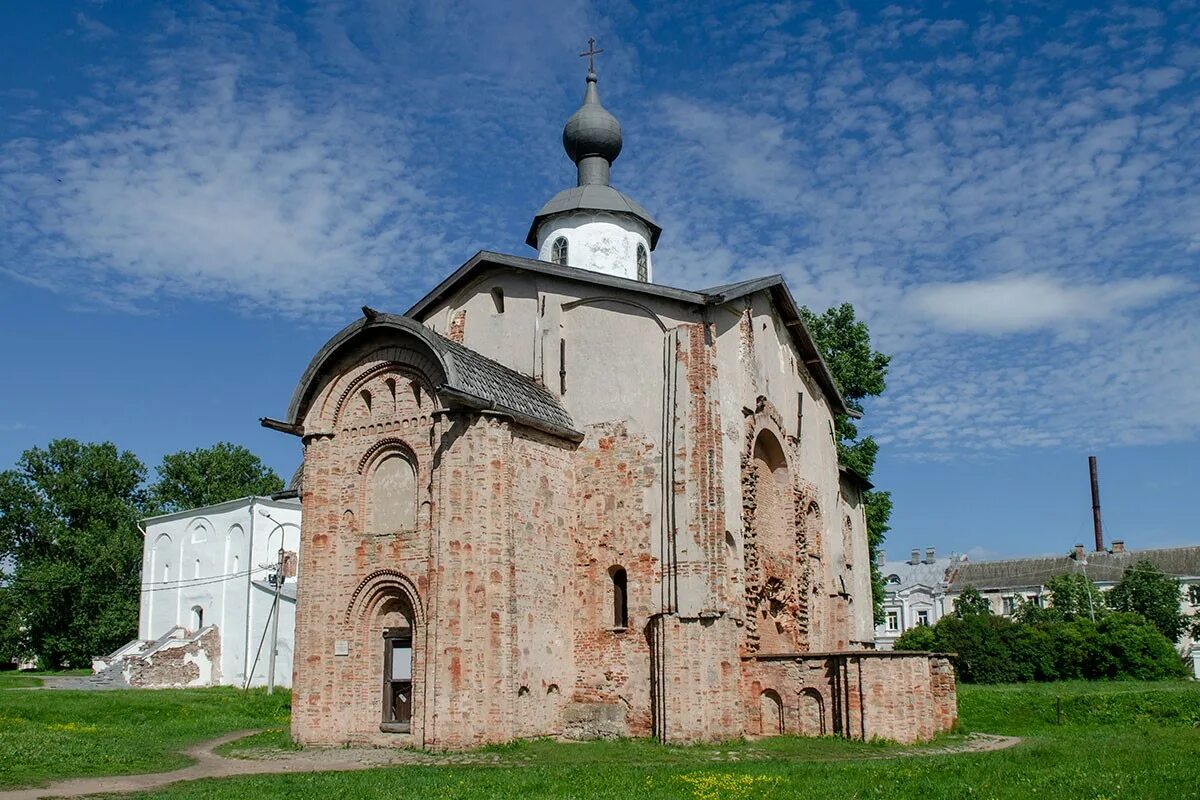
(195, 661)
(908, 697)
(903, 697)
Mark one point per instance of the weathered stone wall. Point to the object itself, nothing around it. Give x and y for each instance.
(544, 566)
(696, 678)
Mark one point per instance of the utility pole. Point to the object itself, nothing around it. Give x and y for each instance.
(275, 607)
(275, 622)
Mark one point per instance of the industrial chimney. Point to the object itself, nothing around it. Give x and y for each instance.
(1099, 528)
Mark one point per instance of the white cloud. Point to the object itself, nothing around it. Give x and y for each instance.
(1019, 304)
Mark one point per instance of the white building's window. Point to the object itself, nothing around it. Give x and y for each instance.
(922, 617)
(1034, 600)
(558, 251)
(643, 270)
(893, 621)
(1010, 606)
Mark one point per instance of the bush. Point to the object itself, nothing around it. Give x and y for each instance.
(920, 639)
(990, 649)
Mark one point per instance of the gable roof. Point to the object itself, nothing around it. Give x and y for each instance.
(465, 376)
(785, 304)
(1105, 567)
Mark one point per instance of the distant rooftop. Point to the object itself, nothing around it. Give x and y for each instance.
(1105, 567)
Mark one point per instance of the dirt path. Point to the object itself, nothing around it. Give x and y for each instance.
(261, 762)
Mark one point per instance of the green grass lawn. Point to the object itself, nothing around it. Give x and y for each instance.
(47, 735)
(1116, 740)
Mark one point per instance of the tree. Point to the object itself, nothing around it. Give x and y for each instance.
(859, 372)
(68, 523)
(1073, 596)
(971, 603)
(1147, 590)
(202, 477)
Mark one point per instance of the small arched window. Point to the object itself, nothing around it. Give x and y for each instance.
(620, 591)
(197, 618)
(558, 251)
(643, 264)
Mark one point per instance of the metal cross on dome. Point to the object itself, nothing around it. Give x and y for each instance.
(591, 53)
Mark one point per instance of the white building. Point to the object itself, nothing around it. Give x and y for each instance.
(208, 587)
(915, 594)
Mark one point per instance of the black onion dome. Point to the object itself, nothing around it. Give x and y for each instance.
(592, 131)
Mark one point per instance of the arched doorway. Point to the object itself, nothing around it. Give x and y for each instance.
(394, 620)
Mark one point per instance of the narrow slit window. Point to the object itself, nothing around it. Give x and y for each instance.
(558, 251)
(498, 299)
(620, 591)
(643, 267)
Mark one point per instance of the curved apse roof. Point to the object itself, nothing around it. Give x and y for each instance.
(467, 377)
(592, 197)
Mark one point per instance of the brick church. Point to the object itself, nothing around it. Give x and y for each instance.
(555, 498)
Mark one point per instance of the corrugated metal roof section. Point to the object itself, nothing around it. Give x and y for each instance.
(1105, 567)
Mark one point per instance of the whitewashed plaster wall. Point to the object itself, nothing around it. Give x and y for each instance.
(598, 241)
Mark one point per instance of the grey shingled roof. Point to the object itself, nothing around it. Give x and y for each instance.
(597, 197)
(467, 377)
(1104, 567)
(508, 389)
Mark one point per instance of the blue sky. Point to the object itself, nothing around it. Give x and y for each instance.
(194, 196)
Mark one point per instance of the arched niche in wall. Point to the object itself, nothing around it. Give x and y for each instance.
(160, 560)
(770, 707)
(390, 488)
(235, 541)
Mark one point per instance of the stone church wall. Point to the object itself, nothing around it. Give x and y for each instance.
(615, 472)
(707, 476)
